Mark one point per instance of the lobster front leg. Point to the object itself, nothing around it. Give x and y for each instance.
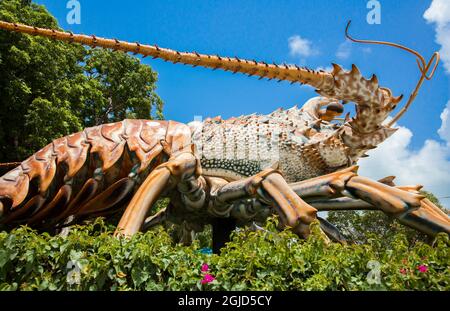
(154, 220)
(411, 209)
(178, 168)
(271, 187)
(404, 203)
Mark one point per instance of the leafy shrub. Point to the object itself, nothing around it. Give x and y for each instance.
(253, 260)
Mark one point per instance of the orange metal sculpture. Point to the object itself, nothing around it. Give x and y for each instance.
(292, 162)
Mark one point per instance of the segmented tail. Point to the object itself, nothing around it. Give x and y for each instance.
(90, 163)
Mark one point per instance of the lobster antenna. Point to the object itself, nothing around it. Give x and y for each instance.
(424, 68)
(318, 79)
(9, 165)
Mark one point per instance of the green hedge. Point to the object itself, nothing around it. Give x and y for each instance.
(91, 259)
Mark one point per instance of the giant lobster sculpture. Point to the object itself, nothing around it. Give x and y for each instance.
(292, 162)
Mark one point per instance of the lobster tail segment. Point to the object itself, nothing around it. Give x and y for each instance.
(13, 188)
(96, 167)
(68, 153)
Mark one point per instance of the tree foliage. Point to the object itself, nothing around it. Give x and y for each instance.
(49, 89)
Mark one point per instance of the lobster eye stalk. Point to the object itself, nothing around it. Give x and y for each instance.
(426, 69)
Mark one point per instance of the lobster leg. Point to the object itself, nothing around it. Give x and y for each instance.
(347, 203)
(60, 200)
(86, 193)
(111, 197)
(154, 220)
(178, 168)
(340, 204)
(270, 187)
(404, 203)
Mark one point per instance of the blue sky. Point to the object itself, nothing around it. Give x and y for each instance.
(261, 30)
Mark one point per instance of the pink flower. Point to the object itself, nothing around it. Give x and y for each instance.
(205, 267)
(422, 268)
(403, 271)
(208, 278)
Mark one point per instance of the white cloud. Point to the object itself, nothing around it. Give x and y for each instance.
(344, 50)
(429, 166)
(439, 13)
(366, 50)
(444, 130)
(302, 47)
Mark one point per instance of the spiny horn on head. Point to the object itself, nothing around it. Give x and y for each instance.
(317, 79)
(396, 100)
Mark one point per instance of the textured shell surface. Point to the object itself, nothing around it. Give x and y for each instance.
(301, 145)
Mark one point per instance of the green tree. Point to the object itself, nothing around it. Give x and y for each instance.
(360, 226)
(126, 88)
(49, 89)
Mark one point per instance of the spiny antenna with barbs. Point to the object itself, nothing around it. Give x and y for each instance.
(318, 79)
(424, 68)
